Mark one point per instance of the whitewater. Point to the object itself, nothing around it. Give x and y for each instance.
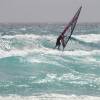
(30, 69)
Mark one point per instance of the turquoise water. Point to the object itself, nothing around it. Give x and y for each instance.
(31, 70)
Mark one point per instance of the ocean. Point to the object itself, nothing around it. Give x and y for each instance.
(30, 69)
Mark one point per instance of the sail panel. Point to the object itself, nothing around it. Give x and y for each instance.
(71, 27)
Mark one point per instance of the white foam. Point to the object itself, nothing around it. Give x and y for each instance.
(45, 51)
(5, 44)
(91, 59)
(29, 36)
(42, 60)
(23, 29)
(50, 97)
(68, 76)
(89, 38)
(86, 38)
(48, 78)
(71, 53)
(24, 85)
(75, 78)
(14, 52)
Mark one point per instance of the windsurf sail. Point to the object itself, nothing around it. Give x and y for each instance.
(70, 26)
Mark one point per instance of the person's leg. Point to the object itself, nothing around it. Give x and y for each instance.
(63, 44)
(59, 46)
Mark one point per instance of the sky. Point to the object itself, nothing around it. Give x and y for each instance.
(48, 11)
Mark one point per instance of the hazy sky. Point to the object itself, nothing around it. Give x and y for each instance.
(48, 10)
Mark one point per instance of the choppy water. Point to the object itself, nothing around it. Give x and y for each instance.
(31, 70)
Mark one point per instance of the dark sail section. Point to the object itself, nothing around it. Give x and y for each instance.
(71, 26)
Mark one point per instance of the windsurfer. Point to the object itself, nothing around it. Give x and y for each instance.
(60, 40)
(71, 25)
